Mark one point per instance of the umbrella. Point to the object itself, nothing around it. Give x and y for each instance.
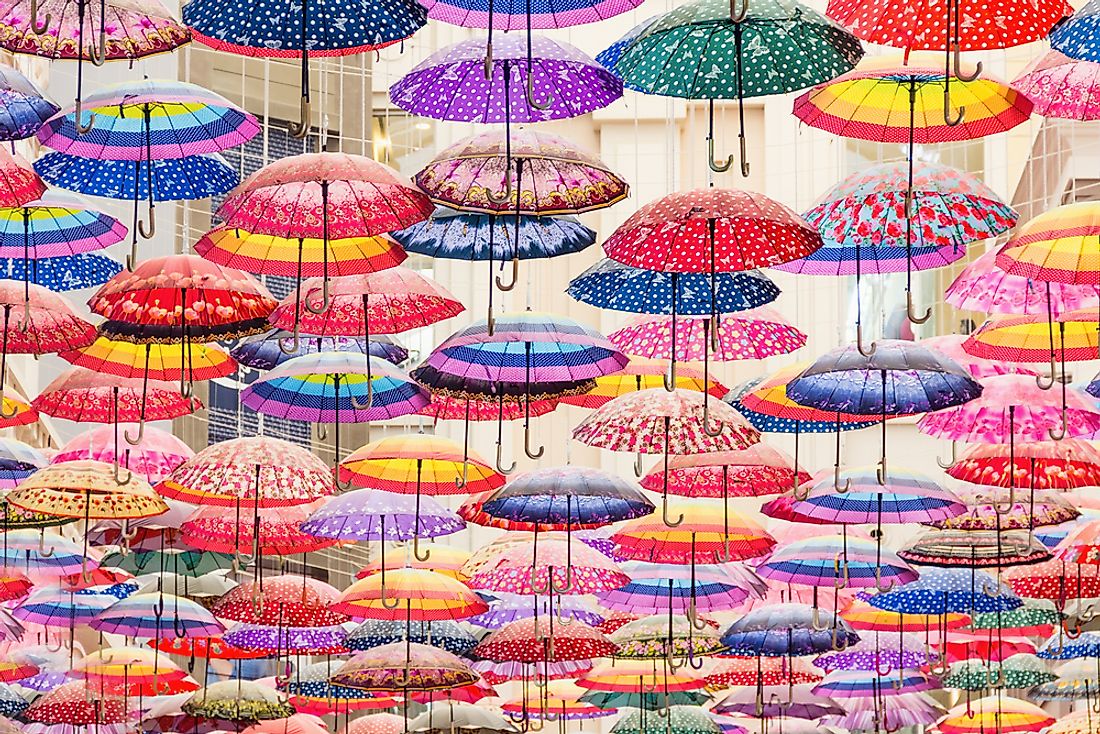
(757, 334)
(62, 273)
(21, 184)
(641, 374)
(995, 509)
(221, 530)
(462, 717)
(283, 601)
(1073, 37)
(678, 719)
(414, 668)
(983, 286)
(51, 607)
(428, 596)
(551, 566)
(999, 712)
(526, 641)
(269, 29)
(441, 633)
(153, 615)
(654, 637)
(171, 179)
(17, 462)
(945, 590)
(689, 53)
(758, 470)
(886, 102)
(881, 652)
(1017, 671)
(154, 457)
(727, 672)
(539, 79)
(238, 701)
(560, 699)
(779, 702)
(975, 548)
(658, 587)
(471, 176)
(84, 395)
(25, 107)
(886, 712)
(904, 498)
(836, 561)
(78, 704)
(506, 607)
(263, 351)
(785, 630)
(1062, 87)
(855, 684)
(700, 538)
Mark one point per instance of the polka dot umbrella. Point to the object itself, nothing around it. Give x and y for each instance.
(275, 640)
(677, 719)
(1017, 671)
(552, 566)
(79, 703)
(451, 636)
(288, 600)
(728, 672)
(943, 591)
(536, 640)
(753, 472)
(707, 49)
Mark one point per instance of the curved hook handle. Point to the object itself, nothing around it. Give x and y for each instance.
(300, 129)
(370, 396)
(152, 229)
(878, 583)
(186, 389)
(954, 457)
(530, 91)
(839, 644)
(325, 300)
(42, 546)
(692, 615)
(742, 139)
(97, 52)
(78, 114)
(715, 165)
(3, 402)
(739, 17)
(45, 26)
(402, 681)
(295, 341)
(416, 550)
(384, 601)
(515, 276)
(880, 473)
(836, 482)
(527, 445)
(909, 309)
(1061, 432)
(1071, 634)
(500, 466)
(118, 477)
(541, 589)
(339, 482)
(664, 515)
(460, 482)
(841, 573)
(507, 195)
(796, 489)
(947, 119)
(864, 351)
(669, 378)
(639, 470)
(815, 619)
(140, 434)
(958, 67)
(1048, 383)
(566, 587)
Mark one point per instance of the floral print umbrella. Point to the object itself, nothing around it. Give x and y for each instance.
(1062, 87)
(222, 530)
(757, 334)
(404, 667)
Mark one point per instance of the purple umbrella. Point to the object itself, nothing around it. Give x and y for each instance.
(514, 15)
(507, 608)
(451, 83)
(290, 640)
(882, 652)
(847, 684)
(773, 702)
(888, 713)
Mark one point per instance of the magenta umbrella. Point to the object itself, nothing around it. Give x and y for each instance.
(155, 456)
(756, 334)
(1062, 87)
(951, 345)
(982, 286)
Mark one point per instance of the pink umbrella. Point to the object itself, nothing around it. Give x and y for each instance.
(296, 724)
(951, 345)
(224, 530)
(886, 713)
(982, 286)
(387, 302)
(1014, 408)
(758, 470)
(756, 334)
(376, 724)
(155, 456)
(657, 421)
(548, 566)
(1062, 87)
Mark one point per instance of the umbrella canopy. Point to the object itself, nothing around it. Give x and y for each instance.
(1005, 713)
(983, 286)
(785, 630)
(568, 497)
(756, 471)
(86, 489)
(1062, 87)
(223, 530)
(428, 596)
(25, 107)
(527, 641)
(943, 590)
(404, 667)
(833, 560)
(84, 395)
(238, 701)
(265, 351)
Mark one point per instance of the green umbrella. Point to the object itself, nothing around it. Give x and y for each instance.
(1075, 680)
(1027, 619)
(1020, 671)
(713, 49)
(637, 700)
(674, 720)
(182, 563)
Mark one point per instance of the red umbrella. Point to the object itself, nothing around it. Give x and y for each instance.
(1067, 464)
(84, 396)
(208, 648)
(284, 601)
(534, 640)
(220, 529)
(78, 704)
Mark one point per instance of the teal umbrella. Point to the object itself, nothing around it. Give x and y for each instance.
(733, 49)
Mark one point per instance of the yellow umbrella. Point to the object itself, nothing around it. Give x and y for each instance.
(413, 594)
(641, 374)
(997, 713)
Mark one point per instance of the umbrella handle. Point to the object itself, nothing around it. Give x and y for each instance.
(864, 351)
(878, 583)
(25, 324)
(837, 644)
(118, 477)
(739, 16)
(530, 91)
(543, 588)
(45, 26)
(300, 129)
(836, 482)
(338, 482)
(97, 52)
(670, 659)
(958, 66)
(909, 310)
(566, 620)
(370, 396)
(382, 598)
(715, 165)
(490, 322)
(947, 119)
(42, 546)
(78, 114)
(693, 617)
(1007, 505)
(880, 472)
(1087, 614)
(507, 189)
(60, 644)
(416, 550)
(815, 619)
(954, 457)
(1076, 631)
(1061, 432)
(488, 63)
(460, 482)
(638, 469)
(566, 587)
(744, 141)
(515, 276)
(148, 233)
(324, 300)
(670, 378)
(841, 578)
(402, 682)
(527, 445)
(140, 434)
(500, 466)
(695, 663)
(665, 517)
(295, 341)
(1046, 384)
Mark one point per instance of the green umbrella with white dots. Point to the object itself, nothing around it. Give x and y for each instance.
(732, 49)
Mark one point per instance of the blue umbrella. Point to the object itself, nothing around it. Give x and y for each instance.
(610, 56)
(1077, 36)
(947, 591)
(18, 461)
(11, 703)
(443, 634)
(63, 273)
(894, 378)
(612, 285)
(23, 109)
(263, 351)
(176, 179)
(784, 630)
(774, 424)
(568, 496)
(276, 28)
(1062, 647)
